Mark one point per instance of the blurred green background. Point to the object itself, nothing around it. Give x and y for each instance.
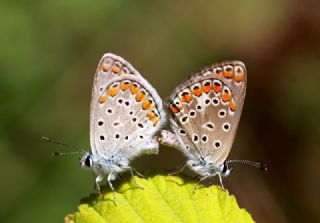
(49, 51)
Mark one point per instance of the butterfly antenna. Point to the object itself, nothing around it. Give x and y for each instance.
(78, 150)
(261, 166)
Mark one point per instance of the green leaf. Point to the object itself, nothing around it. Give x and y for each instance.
(163, 199)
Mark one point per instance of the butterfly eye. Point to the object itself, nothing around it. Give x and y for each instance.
(87, 161)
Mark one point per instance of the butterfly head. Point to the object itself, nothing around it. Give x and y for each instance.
(86, 160)
(225, 169)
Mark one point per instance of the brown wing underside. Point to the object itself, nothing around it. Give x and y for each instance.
(207, 109)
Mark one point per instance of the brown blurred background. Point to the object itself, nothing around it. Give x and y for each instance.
(49, 51)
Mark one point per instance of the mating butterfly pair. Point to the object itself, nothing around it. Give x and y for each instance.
(126, 113)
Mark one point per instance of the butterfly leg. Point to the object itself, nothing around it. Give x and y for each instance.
(178, 171)
(111, 177)
(131, 171)
(196, 186)
(208, 176)
(99, 178)
(139, 174)
(220, 179)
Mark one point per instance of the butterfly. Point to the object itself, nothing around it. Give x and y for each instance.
(204, 115)
(125, 114)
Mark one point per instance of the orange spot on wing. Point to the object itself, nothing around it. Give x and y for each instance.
(154, 118)
(150, 115)
(238, 77)
(197, 91)
(155, 123)
(112, 91)
(102, 99)
(105, 67)
(232, 106)
(147, 104)
(115, 70)
(228, 73)
(185, 97)
(174, 108)
(141, 95)
(206, 88)
(121, 73)
(134, 89)
(216, 87)
(226, 97)
(124, 86)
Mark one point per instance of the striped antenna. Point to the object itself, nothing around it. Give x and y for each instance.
(78, 150)
(261, 166)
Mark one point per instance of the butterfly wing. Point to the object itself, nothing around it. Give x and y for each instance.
(206, 110)
(126, 110)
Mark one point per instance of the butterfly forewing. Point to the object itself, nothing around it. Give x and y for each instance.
(126, 111)
(206, 109)
(109, 67)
